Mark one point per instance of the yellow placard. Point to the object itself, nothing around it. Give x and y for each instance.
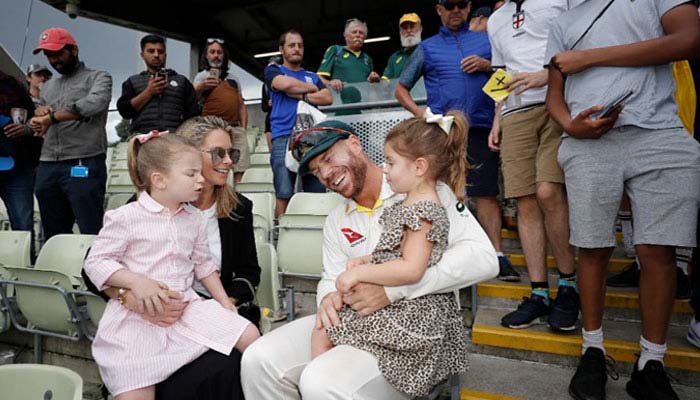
(494, 88)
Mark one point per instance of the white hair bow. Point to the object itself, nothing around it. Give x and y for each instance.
(144, 137)
(444, 122)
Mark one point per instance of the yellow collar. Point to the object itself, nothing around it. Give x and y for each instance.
(370, 211)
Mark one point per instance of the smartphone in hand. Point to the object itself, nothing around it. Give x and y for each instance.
(615, 104)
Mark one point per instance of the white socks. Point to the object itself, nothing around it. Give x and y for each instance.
(593, 338)
(650, 351)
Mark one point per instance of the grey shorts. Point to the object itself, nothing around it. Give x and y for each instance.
(658, 169)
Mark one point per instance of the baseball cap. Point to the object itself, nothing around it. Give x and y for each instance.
(314, 141)
(410, 17)
(54, 39)
(482, 12)
(38, 68)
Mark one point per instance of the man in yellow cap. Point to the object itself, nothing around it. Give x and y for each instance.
(410, 30)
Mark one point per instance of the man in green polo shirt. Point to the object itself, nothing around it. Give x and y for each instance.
(410, 30)
(348, 64)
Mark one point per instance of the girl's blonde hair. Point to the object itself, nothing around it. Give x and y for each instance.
(196, 129)
(155, 155)
(446, 153)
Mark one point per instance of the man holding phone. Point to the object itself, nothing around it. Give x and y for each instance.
(157, 98)
(639, 148)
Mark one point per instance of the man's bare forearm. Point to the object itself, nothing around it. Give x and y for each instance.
(556, 104)
(292, 86)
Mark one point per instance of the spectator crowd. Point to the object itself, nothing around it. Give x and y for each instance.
(595, 131)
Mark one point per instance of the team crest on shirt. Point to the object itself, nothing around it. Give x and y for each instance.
(352, 237)
(518, 19)
(461, 209)
(308, 79)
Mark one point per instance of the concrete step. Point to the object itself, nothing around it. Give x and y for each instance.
(614, 265)
(497, 378)
(538, 343)
(620, 303)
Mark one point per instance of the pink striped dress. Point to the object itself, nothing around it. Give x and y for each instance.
(146, 238)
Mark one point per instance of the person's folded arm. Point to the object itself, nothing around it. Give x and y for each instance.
(321, 98)
(681, 41)
(97, 100)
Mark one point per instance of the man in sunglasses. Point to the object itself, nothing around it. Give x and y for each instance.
(278, 365)
(288, 84)
(158, 98)
(221, 95)
(348, 64)
(456, 64)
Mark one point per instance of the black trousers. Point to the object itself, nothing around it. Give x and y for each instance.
(213, 376)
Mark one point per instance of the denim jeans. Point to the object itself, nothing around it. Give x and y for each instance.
(64, 200)
(285, 179)
(16, 191)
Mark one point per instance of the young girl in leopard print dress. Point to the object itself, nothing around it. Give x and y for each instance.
(418, 342)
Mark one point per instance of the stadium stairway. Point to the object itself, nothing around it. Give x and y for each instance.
(540, 363)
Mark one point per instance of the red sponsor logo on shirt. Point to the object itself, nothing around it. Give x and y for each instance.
(351, 235)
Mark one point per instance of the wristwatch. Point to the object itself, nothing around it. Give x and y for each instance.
(52, 117)
(121, 292)
(305, 97)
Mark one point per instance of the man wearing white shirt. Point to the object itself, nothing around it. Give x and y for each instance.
(279, 365)
(518, 35)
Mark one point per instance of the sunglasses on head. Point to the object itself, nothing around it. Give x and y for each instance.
(308, 138)
(217, 40)
(218, 154)
(449, 6)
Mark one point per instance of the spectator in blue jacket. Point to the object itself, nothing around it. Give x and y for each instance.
(456, 64)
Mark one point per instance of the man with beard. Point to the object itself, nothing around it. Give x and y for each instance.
(455, 64)
(71, 177)
(288, 84)
(278, 365)
(157, 98)
(348, 64)
(410, 30)
(220, 94)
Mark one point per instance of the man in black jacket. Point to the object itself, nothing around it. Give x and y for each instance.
(158, 98)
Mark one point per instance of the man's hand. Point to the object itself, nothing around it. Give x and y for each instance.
(14, 130)
(495, 139)
(210, 82)
(584, 127)
(474, 63)
(570, 62)
(327, 314)
(172, 311)
(42, 110)
(366, 298)
(40, 125)
(526, 80)
(156, 85)
(373, 77)
(336, 84)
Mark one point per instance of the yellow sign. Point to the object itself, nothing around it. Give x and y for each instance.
(494, 88)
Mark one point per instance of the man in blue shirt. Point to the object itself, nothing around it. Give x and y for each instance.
(289, 83)
(456, 64)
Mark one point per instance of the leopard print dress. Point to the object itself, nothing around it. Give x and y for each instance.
(418, 342)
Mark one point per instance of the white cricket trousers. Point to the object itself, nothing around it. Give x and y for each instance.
(278, 366)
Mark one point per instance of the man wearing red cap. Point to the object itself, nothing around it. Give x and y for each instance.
(71, 177)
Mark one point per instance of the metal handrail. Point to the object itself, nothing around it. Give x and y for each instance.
(368, 104)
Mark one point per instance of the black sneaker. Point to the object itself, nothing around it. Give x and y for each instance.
(588, 383)
(529, 312)
(564, 311)
(628, 277)
(682, 285)
(651, 383)
(506, 272)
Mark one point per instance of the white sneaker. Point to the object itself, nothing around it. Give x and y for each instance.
(694, 333)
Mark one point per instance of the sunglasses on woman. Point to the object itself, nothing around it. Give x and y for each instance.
(218, 154)
(217, 40)
(449, 6)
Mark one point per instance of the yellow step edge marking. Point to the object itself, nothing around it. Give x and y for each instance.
(613, 299)
(513, 235)
(468, 394)
(614, 265)
(687, 359)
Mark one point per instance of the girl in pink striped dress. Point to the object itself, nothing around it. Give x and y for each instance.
(155, 244)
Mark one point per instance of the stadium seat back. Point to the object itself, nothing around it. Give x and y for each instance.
(65, 253)
(15, 248)
(269, 278)
(39, 381)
